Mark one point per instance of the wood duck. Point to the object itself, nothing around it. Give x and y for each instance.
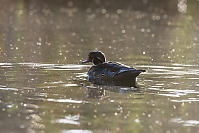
(103, 72)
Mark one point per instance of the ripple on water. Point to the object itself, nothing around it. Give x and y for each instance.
(172, 72)
(6, 65)
(182, 91)
(9, 89)
(3, 86)
(56, 82)
(72, 66)
(162, 67)
(65, 100)
(68, 67)
(55, 66)
(175, 93)
(73, 120)
(185, 122)
(76, 131)
(186, 100)
(33, 65)
(186, 65)
(82, 75)
(172, 95)
(70, 85)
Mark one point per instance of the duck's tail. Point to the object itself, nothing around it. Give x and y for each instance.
(141, 70)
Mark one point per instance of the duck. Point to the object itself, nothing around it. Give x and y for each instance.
(110, 73)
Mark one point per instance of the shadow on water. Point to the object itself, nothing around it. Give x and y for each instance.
(98, 91)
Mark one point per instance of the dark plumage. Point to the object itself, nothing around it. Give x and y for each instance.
(110, 73)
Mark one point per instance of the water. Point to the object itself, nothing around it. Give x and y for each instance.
(44, 87)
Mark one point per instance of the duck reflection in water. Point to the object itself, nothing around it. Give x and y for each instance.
(99, 91)
(109, 73)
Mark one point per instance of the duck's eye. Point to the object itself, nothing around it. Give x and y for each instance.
(90, 58)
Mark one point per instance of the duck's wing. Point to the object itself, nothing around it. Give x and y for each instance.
(113, 67)
(119, 69)
(119, 64)
(127, 75)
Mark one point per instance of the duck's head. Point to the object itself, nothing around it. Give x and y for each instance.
(96, 57)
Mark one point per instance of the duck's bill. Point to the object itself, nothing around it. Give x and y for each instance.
(85, 61)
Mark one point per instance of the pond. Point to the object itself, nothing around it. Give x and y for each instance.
(44, 87)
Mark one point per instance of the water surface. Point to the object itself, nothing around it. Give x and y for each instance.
(44, 87)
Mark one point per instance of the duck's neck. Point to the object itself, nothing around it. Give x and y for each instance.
(97, 61)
